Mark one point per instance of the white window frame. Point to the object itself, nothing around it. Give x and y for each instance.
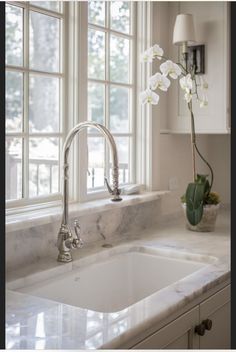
(107, 83)
(84, 194)
(50, 199)
(144, 131)
(75, 106)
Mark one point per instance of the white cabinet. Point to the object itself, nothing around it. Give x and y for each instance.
(212, 29)
(179, 334)
(206, 326)
(217, 309)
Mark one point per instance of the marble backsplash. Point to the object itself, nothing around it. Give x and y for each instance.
(29, 245)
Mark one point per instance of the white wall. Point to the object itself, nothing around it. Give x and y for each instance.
(219, 156)
(172, 153)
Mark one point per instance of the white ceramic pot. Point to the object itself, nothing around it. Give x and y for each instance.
(207, 223)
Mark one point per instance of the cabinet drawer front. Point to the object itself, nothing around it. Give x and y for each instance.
(176, 335)
(217, 309)
(210, 305)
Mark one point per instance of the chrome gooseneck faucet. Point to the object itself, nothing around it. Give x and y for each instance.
(66, 241)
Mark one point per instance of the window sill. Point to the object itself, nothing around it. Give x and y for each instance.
(41, 216)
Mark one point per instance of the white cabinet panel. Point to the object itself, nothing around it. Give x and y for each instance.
(217, 309)
(179, 334)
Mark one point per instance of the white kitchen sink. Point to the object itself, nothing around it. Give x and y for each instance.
(121, 279)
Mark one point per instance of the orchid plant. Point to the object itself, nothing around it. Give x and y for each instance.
(198, 192)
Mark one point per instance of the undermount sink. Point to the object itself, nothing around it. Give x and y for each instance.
(121, 279)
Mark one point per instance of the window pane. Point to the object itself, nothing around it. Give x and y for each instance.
(50, 5)
(43, 166)
(96, 156)
(44, 42)
(43, 104)
(96, 54)
(123, 149)
(13, 168)
(96, 102)
(14, 35)
(119, 59)
(119, 109)
(120, 16)
(96, 12)
(14, 101)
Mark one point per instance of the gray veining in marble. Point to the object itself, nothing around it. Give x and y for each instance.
(35, 323)
(27, 246)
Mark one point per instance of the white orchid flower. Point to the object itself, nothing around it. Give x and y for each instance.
(203, 101)
(159, 81)
(188, 96)
(203, 83)
(148, 96)
(147, 56)
(157, 51)
(186, 83)
(170, 68)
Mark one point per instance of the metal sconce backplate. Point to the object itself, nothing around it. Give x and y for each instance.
(196, 56)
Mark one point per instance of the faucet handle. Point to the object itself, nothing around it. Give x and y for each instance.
(115, 192)
(77, 228)
(77, 241)
(108, 186)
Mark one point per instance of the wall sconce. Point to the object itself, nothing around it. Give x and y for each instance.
(184, 35)
(196, 58)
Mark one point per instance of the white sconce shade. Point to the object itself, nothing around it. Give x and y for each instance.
(184, 29)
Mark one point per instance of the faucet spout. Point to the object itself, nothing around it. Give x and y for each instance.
(65, 237)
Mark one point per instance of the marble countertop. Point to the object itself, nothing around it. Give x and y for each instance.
(36, 323)
(37, 217)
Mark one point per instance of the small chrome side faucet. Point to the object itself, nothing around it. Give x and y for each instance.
(66, 240)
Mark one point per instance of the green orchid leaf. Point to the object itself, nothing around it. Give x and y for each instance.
(207, 187)
(194, 202)
(201, 178)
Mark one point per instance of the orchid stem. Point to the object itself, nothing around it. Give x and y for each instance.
(193, 140)
(194, 147)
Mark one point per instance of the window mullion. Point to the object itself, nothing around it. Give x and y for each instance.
(133, 92)
(25, 157)
(107, 88)
(35, 72)
(107, 108)
(63, 108)
(97, 27)
(46, 12)
(118, 84)
(81, 154)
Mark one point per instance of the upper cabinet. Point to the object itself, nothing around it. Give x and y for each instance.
(212, 25)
